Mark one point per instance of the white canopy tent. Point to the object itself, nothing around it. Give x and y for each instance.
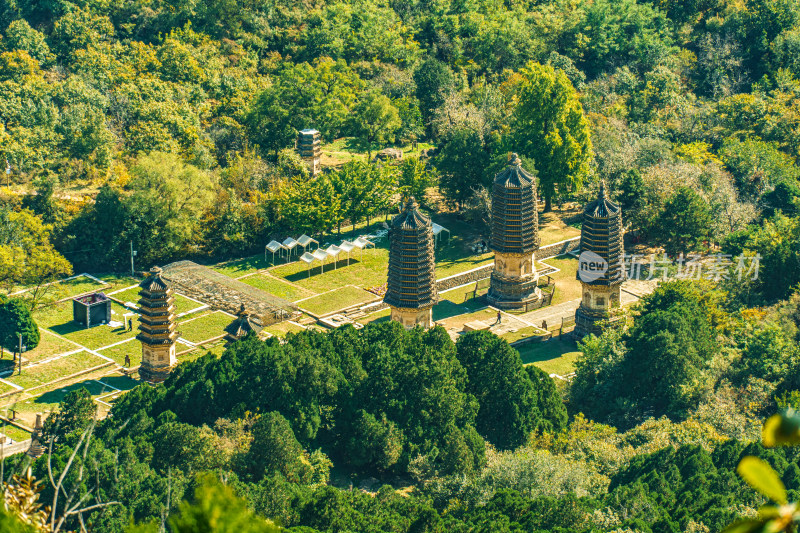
(333, 251)
(273, 247)
(347, 247)
(308, 258)
(362, 243)
(289, 244)
(437, 229)
(320, 255)
(305, 241)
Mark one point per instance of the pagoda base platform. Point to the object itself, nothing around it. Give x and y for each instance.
(591, 322)
(411, 318)
(513, 293)
(154, 374)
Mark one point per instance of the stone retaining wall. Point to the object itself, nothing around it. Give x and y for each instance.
(482, 272)
(558, 248)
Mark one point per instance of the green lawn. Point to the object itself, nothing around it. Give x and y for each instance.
(523, 333)
(15, 433)
(556, 356)
(471, 303)
(378, 317)
(5, 388)
(132, 348)
(76, 286)
(98, 336)
(182, 304)
(205, 326)
(49, 346)
(342, 150)
(277, 287)
(337, 300)
(282, 328)
(34, 376)
(455, 316)
(49, 400)
(567, 286)
(248, 265)
(367, 271)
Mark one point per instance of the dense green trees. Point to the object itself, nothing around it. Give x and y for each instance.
(550, 128)
(17, 327)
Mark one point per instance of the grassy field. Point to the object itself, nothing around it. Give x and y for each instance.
(49, 346)
(75, 286)
(523, 333)
(367, 271)
(567, 286)
(34, 376)
(182, 304)
(556, 356)
(277, 287)
(342, 150)
(282, 328)
(205, 326)
(14, 433)
(336, 300)
(97, 336)
(377, 318)
(132, 348)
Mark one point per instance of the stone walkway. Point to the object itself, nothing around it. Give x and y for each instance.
(632, 292)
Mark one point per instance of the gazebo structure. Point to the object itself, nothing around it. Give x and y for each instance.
(310, 150)
(411, 287)
(242, 325)
(601, 268)
(92, 309)
(156, 328)
(515, 238)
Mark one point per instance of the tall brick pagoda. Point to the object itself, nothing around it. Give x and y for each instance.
(601, 269)
(310, 149)
(156, 327)
(411, 287)
(515, 238)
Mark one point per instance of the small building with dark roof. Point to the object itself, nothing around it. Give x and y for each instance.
(92, 309)
(515, 238)
(242, 325)
(411, 285)
(156, 327)
(601, 268)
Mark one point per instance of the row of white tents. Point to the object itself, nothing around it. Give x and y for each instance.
(333, 251)
(290, 246)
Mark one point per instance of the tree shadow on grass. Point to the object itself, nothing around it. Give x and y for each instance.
(446, 309)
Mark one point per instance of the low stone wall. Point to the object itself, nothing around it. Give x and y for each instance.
(482, 272)
(558, 248)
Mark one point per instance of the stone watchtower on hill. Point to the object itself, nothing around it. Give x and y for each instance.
(411, 287)
(601, 268)
(156, 327)
(515, 238)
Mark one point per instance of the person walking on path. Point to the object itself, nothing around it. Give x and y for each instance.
(499, 318)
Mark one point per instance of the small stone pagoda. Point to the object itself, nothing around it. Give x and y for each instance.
(515, 238)
(601, 269)
(156, 327)
(310, 149)
(411, 287)
(37, 448)
(242, 325)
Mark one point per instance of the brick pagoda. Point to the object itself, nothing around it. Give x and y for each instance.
(156, 328)
(411, 287)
